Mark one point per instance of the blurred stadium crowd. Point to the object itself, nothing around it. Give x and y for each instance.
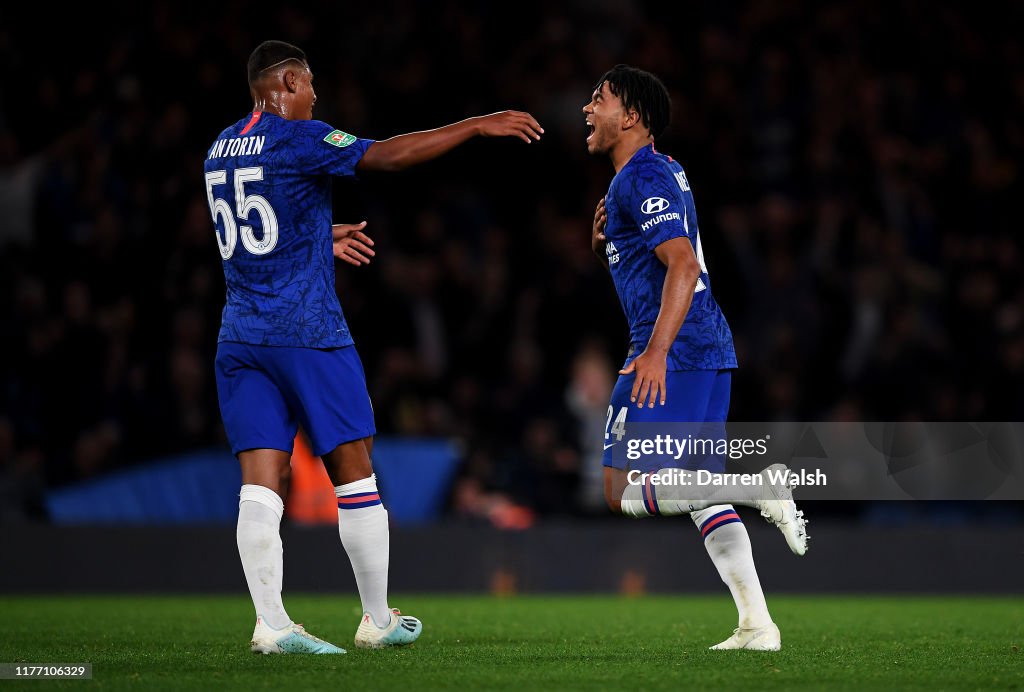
(855, 168)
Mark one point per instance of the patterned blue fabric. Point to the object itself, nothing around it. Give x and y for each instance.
(268, 183)
(266, 392)
(649, 202)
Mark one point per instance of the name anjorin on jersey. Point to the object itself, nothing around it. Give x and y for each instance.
(237, 146)
(650, 223)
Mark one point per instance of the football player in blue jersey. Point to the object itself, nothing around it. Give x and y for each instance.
(285, 356)
(681, 356)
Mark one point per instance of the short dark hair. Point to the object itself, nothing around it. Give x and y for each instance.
(271, 53)
(641, 91)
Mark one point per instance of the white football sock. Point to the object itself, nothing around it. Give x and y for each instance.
(674, 498)
(728, 544)
(635, 503)
(363, 525)
(259, 546)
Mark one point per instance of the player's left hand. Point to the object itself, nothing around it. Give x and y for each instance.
(650, 378)
(351, 244)
(510, 124)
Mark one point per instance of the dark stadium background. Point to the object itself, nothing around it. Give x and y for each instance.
(856, 168)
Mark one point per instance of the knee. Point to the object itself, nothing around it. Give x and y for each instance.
(614, 503)
(348, 462)
(613, 487)
(284, 473)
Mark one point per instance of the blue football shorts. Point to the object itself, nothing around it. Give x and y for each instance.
(265, 392)
(696, 408)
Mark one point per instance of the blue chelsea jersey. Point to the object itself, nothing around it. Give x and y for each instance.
(649, 202)
(268, 184)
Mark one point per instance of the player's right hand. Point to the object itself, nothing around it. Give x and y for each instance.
(597, 237)
(510, 124)
(649, 385)
(351, 245)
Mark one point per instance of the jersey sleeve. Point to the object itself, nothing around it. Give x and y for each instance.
(329, 151)
(658, 206)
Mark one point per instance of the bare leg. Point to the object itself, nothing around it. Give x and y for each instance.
(349, 462)
(270, 468)
(614, 484)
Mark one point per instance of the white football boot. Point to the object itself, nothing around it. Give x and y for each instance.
(293, 639)
(780, 509)
(760, 639)
(402, 630)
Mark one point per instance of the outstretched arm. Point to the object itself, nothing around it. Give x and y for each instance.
(414, 148)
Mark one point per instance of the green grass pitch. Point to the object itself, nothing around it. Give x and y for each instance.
(527, 643)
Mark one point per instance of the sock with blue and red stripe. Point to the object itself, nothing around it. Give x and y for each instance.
(728, 545)
(363, 526)
(661, 493)
(641, 500)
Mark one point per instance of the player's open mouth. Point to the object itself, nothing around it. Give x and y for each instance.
(590, 130)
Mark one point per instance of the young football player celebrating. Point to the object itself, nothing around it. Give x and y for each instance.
(681, 356)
